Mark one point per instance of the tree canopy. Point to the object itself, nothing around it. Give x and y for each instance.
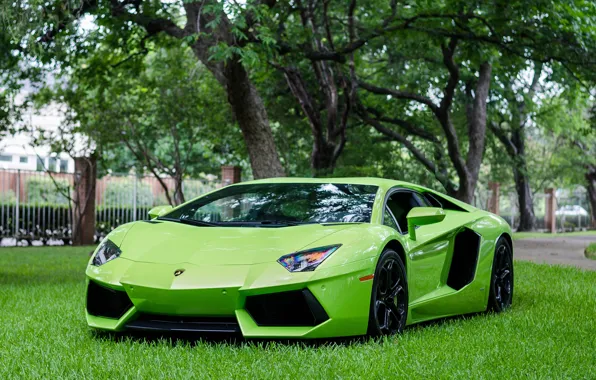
(450, 94)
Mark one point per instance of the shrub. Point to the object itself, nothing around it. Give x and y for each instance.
(195, 188)
(8, 196)
(44, 190)
(122, 193)
(591, 251)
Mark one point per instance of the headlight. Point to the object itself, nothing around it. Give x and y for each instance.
(308, 260)
(107, 251)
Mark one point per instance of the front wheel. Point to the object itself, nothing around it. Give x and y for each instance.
(501, 281)
(389, 298)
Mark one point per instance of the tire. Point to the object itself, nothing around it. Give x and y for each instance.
(389, 297)
(501, 279)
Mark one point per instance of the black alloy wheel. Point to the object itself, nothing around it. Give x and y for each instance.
(389, 298)
(501, 283)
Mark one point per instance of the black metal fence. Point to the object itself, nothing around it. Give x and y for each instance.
(35, 207)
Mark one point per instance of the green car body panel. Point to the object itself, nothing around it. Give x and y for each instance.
(222, 266)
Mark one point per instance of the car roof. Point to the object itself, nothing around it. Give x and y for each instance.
(380, 182)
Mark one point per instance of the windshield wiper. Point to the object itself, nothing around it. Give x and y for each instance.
(192, 222)
(283, 222)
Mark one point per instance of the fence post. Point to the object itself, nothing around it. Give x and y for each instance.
(550, 217)
(230, 174)
(17, 201)
(493, 199)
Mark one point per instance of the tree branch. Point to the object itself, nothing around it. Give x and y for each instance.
(400, 95)
(502, 136)
(448, 52)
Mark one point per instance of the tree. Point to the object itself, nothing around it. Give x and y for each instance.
(457, 45)
(15, 69)
(509, 125)
(163, 108)
(466, 165)
(215, 39)
(323, 90)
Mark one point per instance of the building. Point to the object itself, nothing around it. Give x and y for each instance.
(16, 152)
(15, 159)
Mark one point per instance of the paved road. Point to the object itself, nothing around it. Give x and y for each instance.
(567, 250)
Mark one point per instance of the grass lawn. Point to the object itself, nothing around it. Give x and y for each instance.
(522, 235)
(549, 333)
(591, 251)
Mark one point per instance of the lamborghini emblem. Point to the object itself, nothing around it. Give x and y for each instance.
(178, 272)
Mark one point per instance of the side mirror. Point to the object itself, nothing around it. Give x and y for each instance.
(159, 211)
(420, 216)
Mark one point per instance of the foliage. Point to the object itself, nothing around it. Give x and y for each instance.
(45, 191)
(160, 113)
(195, 188)
(526, 338)
(121, 193)
(8, 196)
(591, 251)
(398, 82)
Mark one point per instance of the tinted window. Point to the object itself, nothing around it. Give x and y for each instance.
(282, 202)
(432, 200)
(388, 219)
(422, 200)
(400, 204)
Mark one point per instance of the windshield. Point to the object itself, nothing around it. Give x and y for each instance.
(280, 204)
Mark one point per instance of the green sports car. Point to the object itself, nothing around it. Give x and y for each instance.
(302, 258)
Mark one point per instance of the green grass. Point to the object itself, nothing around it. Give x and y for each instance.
(549, 333)
(591, 251)
(523, 235)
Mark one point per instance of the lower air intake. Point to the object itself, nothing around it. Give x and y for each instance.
(294, 308)
(105, 302)
(168, 323)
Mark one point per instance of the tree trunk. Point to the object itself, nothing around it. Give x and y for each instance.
(476, 115)
(178, 191)
(591, 185)
(250, 112)
(524, 196)
(83, 226)
(246, 103)
(522, 182)
(465, 190)
(322, 159)
(328, 134)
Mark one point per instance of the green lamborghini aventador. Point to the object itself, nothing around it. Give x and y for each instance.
(303, 258)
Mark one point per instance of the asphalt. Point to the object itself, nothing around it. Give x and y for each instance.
(567, 250)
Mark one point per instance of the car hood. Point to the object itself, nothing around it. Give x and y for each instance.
(167, 242)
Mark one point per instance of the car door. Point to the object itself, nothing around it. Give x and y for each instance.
(427, 254)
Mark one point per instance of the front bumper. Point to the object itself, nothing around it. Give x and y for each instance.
(262, 300)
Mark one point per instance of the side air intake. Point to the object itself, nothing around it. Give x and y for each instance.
(465, 258)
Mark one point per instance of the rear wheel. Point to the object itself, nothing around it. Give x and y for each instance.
(501, 282)
(389, 298)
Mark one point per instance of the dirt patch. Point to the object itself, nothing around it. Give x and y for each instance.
(567, 250)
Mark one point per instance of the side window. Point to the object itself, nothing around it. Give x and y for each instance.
(422, 200)
(388, 219)
(432, 200)
(400, 204)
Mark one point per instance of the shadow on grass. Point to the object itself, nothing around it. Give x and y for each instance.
(194, 339)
